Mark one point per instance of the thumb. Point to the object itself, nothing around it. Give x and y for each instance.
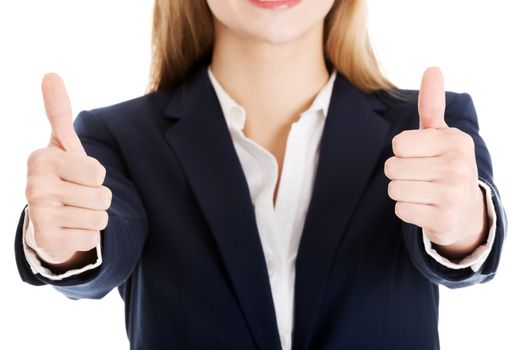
(58, 110)
(432, 100)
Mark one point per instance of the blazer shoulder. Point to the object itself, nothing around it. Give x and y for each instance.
(128, 118)
(403, 105)
(408, 99)
(148, 104)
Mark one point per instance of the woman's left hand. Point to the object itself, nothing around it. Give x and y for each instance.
(434, 176)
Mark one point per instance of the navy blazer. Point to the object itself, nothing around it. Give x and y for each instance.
(182, 244)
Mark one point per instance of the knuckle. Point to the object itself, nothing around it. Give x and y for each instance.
(34, 214)
(38, 161)
(101, 220)
(399, 209)
(41, 231)
(469, 140)
(39, 227)
(435, 236)
(103, 197)
(393, 189)
(31, 190)
(396, 143)
(36, 156)
(39, 216)
(440, 237)
(108, 196)
(468, 144)
(389, 166)
(101, 173)
(461, 141)
(453, 130)
(88, 240)
(39, 189)
(95, 239)
(41, 240)
(459, 134)
(95, 172)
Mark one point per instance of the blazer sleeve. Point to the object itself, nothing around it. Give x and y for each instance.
(123, 238)
(460, 113)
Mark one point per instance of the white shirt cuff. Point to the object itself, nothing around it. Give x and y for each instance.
(479, 255)
(32, 253)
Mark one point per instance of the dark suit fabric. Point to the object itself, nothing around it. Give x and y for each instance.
(182, 244)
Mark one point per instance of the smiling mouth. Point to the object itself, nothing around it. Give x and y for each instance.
(274, 4)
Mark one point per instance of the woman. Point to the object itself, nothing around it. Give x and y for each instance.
(264, 194)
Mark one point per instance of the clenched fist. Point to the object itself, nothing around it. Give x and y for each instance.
(434, 176)
(66, 200)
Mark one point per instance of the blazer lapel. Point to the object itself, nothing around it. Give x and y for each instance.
(354, 136)
(205, 150)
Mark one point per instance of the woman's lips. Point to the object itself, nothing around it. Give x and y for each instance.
(274, 4)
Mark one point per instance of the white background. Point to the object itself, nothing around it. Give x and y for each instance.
(101, 49)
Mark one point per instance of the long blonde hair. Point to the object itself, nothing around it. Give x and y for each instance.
(183, 37)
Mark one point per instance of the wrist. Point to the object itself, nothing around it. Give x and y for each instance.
(476, 229)
(77, 261)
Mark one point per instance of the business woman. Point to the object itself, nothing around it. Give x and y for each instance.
(272, 190)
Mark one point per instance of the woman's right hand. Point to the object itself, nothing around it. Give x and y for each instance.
(66, 200)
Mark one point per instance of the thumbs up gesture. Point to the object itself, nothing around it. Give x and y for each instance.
(434, 177)
(66, 200)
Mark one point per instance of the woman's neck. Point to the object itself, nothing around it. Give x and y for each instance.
(273, 82)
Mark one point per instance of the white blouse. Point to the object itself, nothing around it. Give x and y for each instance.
(280, 225)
